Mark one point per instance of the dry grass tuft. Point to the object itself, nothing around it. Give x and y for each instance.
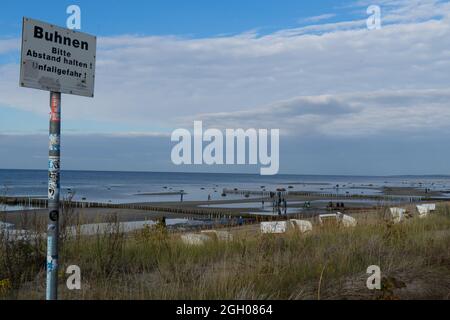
(329, 263)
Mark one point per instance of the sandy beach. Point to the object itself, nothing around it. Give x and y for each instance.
(300, 206)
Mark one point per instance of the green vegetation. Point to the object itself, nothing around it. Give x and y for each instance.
(329, 263)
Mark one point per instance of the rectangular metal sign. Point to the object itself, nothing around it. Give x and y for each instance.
(57, 59)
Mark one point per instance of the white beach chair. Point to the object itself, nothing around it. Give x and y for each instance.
(339, 218)
(327, 217)
(274, 227)
(398, 214)
(425, 209)
(219, 235)
(348, 221)
(194, 239)
(303, 225)
(430, 206)
(21, 235)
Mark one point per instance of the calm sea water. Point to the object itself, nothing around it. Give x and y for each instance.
(120, 187)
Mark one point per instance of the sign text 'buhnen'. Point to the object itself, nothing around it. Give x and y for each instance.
(40, 33)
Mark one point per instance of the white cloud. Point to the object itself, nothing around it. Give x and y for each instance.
(319, 18)
(396, 11)
(352, 114)
(9, 45)
(164, 81)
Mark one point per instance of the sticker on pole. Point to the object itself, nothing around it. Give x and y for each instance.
(57, 59)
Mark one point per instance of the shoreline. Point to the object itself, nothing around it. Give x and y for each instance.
(216, 209)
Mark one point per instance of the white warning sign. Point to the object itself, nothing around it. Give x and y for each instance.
(57, 59)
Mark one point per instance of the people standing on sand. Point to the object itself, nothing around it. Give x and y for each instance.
(263, 203)
(163, 222)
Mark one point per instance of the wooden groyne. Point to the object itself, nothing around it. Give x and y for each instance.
(213, 213)
(24, 202)
(318, 195)
(249, 192)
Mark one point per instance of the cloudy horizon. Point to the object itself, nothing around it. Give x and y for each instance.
(347, 100)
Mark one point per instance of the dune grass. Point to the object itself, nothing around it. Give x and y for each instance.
(329, 263)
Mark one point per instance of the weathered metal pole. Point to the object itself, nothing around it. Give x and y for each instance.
(53, 195)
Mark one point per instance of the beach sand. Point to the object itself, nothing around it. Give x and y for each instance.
(30, 219)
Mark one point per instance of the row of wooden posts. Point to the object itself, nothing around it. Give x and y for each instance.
(321, 195)
(213, 213)
(216, 213)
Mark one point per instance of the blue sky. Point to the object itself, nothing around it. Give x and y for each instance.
(197, 18)
(346, 99)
